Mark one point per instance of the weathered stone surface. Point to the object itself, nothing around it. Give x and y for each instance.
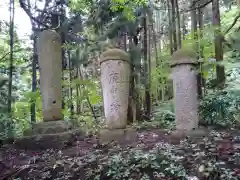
(52, 134)
(115, 77)
(45, 141)
(184, 55)
(192, 134)
(114, 54)
(185, 90)
(49, 127)
(118, 135)
(50, 62)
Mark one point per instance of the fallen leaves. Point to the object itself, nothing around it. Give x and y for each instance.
(215, 157)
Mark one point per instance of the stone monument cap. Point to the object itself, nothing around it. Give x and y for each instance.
(184, 56)
(114, 54)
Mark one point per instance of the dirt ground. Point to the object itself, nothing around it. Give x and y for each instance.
(70, 162)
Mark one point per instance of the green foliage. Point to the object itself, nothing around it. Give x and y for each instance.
(80, 5)
(164, 110)
(86, 124)
(89, 89)
(137, 164)
(227, 19)
(163, 115)
(21, 108)
(220, 109)
(160, 75)
(7, 127)
(3, 94)
(11, 127)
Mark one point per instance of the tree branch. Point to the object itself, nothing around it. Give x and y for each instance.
(8, 54)
(192, 8)
(195, 8)
(233, 24)
(28, 12)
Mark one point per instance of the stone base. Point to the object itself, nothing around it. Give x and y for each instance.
(193, 134)
(49, 127)
(117, 135)
(47, 135)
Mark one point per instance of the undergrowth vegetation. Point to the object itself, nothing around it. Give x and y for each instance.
(218, 109)
(137, 164)
(153, 165)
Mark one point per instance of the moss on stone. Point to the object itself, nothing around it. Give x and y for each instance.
(45, 135)
(48, 141)
(114, 54)
(183, 53)
(184, 56)
(44, 141)
(49, 127)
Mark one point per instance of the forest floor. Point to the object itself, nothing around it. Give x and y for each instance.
(214, 157)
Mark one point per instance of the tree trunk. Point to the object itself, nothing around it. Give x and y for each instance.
(175, 44)
(34, 77)
(195, 37)
(62, 19)
(71, 106)
(155, 44)
(200, 24)
(78, 94)
(184, 30)
(178, 25)
(63, 67)
(11, 32)
(146, 68)
(150, 45)
(170, 28)
(218, 44)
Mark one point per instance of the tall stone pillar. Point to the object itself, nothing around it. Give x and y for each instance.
(50, 62)
(184, 74)
(115, 80)
(53, 132)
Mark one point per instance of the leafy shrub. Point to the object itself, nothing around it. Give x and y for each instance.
(163, 114)
(220, 109)
(12, 127)
(7, 127)
(86, 123)
(137, 164)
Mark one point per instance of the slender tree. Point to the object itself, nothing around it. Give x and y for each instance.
(218, 43)
(146, 66)
(178, 25)
(11, 32)
(34, 76)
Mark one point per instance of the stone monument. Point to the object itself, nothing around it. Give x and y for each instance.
(115, 68)
(50, 64)
(115, 79)
(53, 131)
(184, 74)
